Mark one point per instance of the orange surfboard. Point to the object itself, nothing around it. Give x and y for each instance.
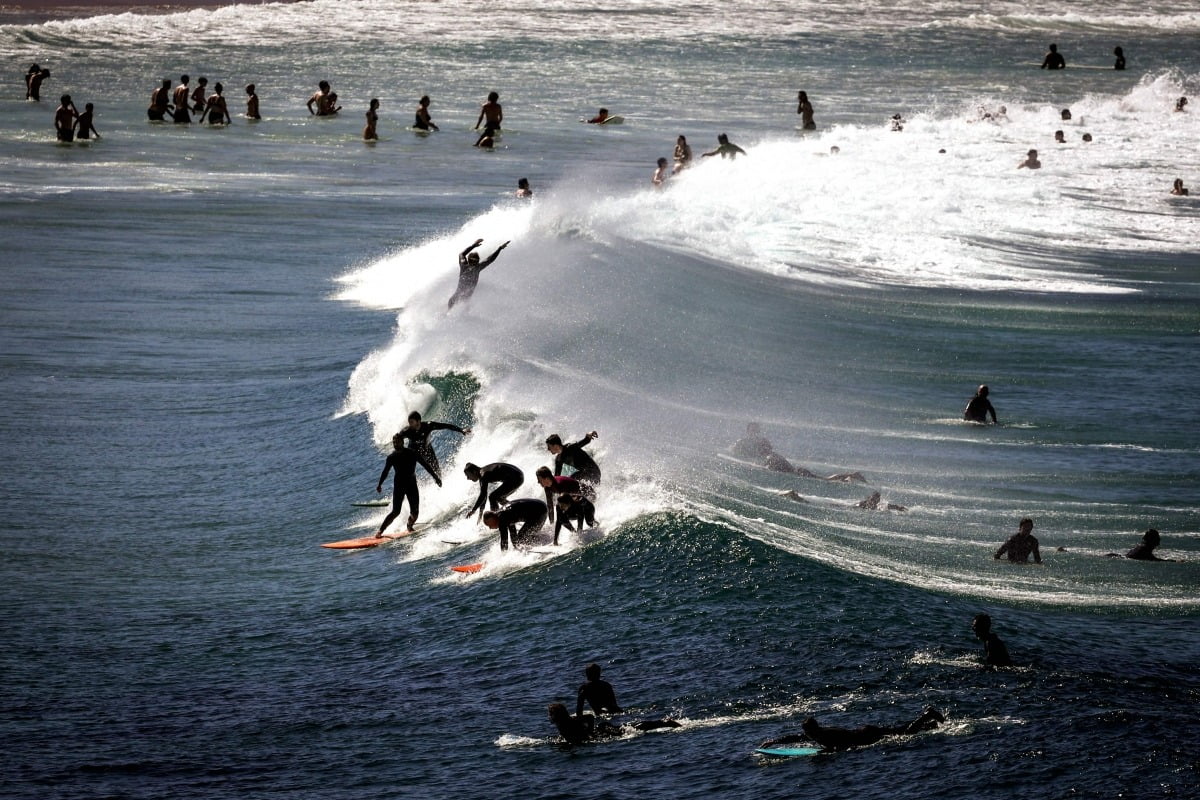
(468, 567)
(364, 541)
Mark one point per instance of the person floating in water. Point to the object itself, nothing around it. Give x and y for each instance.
(573, 456)
(1120, 62)
(422, 121)
(660, 174)
(683, 154)
(404, 462)
(469, 267)
(215, 108)
(369, 132)
(85, 126)
(1181, 104)
(845, 738)
(529, 513)
(493, 113)
(995, 654)
(725, 148)
(805, 110)
(1178, 188)
(1021, 545)
(578, 730)
(1031, 161)
(979, 407)
(873, 503)
(64, 119)
(754, 446)
(1065, 114)
(417, 434)
(1054, 59)
(1144, 550)
(160, 102)
(251, 103)
(600, 118)
(507, 476)
(523, 188)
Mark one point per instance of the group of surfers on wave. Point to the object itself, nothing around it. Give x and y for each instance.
(569, 498)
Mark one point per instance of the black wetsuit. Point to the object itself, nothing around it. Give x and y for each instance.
(468, 276)
(418, 440)
(404, 462)
(573, 456)
(600, 696)
(1019, 548)
(1054, 60)
(994, 652)
(509, 478)
(529, 512)
(977, 410)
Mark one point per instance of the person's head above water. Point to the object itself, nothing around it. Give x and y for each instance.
(982, 625)
(493, 97)
(982, 391)
(592, 671)
(1151, 538)
(1025, 526)
(1065, 114)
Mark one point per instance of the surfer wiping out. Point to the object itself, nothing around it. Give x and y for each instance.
(404, 462)
(755, 446)
(469, 267)
(417, 434)
(832, 738)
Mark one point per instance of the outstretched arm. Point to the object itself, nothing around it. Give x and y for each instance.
(472, 247)
(492, 257)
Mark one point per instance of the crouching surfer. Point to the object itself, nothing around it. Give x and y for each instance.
(529, 513)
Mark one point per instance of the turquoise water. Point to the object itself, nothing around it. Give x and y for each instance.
(210, 335)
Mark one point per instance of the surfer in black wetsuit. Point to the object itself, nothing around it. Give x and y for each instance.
(845, 738)
(572, 500)
(978, 407)
(1144, 550)
(995, 654)
(597, 693)
(404, 462)
(530, 513)
(508, 476)
(1120, 62)
(469, 267)
(573, 456)
(1054, 59)
(417, 434)
(1021, 545)
(577, 730)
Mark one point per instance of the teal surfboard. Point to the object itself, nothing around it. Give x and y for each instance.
(788, 752)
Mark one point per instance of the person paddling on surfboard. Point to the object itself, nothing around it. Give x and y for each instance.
(844, 738)
(577, 730)
(404, 462)
(530, 513)
(599, 118)
(417, 434)
(508, 476)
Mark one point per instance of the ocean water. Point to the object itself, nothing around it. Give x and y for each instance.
(208, 337)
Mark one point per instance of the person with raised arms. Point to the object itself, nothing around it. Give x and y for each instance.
(469, 267)
(404, 462)
(529, 513)
(508, 476)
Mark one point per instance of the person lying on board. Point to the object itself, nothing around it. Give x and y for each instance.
(844, 738)
(599, 118)
(755, 446)
(578, 730)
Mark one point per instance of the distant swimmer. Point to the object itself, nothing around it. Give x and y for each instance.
(1144, 550)
(64, 119)
(1181, 104)
(84, 123)
(34, 69)
(1120, 62)
(805, 110)
(1065, 114)
(725, 148)
(845, 738)
(874, 503)
(683, 154)
(1178, 188)
(183, 109)
(660, 174)
(578, 730)
(530, 514)
(574, 456)
(34, 80)
(319, 104)
(995, 654)
(1021, 545)
(417, 434)
(369, 132)
(423, 121)
(492, 113)
(1031, 161)
(523, 188)
(507, 476)
(897, 122)
(600, 118)
(404, 462)
(1087, 137)
(252, 103)
(979, 407)
(1054, 59)
(199, 104)
(334, 108)
(597, 693)
(215, 108)
(469, 267)
(160, 102)
(1059, 137)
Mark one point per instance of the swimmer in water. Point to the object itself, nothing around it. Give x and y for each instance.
(493, 113)
(215, 107)
(523, 189)
(805, 110)
(995, 654)
(1120, 62)
(182, 111)
(84, 123)
(160, 102)
(1031, 161)
(1021, 545)
(1181, 104)
(1065, 114)
(251, 103)
(845, 738)
(318, 104)
(1054, 59)
(660, 174)
(725, 148)
(199, 104)
(1144, 550)
(600, 117)
(469, 267)
(1178, 188)
(422, 121)
(64, 119)
(683, 154)
(369, 133)
(1059, 137)
(979, 407)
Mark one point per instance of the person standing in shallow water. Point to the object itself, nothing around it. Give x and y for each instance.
(252, 103)
(978, 407)
(1021, 545)
(1054, 59)
(805, 110)
(424, 122)
(369, 133)
(1120, 62)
